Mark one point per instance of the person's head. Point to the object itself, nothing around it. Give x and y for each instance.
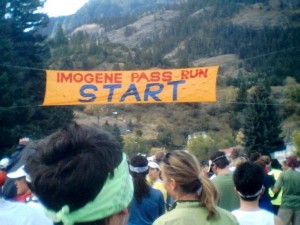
(159, 155)
(275, 164)
(266, 159)
(154, 171)
(81, 176)
(284, 165)
(180, 173)
(235, 154)
(254, 156)
(219, 161)
(292, 162)
(204, 167)
(239, 161)
(4, 163)
(262, 165)
(139, 169)
(21, 180)
(248, 180)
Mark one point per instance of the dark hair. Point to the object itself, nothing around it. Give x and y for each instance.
(260, 163)
(204, 163)
(71, 166)
(248, 179)
(275, 164)
(253, 156)
(219, 159)
(141, 188)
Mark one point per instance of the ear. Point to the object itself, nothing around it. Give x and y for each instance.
(173, 184)
(124, 212)
(119, 218)
(236, 191)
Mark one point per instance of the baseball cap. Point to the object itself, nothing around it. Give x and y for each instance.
(19, 173)
(4, 163)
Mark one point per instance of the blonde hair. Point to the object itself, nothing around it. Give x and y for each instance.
(266, 159)
(238, 161)
(184, 168)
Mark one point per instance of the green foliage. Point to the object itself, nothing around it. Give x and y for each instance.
(165, 138)
(60, 39)
(292, 95)
(134, 145)
(22, 90)
(296, 140)
(262, 124)
(202, 147)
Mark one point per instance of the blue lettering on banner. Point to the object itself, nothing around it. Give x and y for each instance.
(83, 93)
(152, 90)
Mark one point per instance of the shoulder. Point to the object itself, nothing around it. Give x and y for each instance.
(29, 214)
(277, 221)
(165, 219)
(158, 184)
(226, 214)
(155, 192)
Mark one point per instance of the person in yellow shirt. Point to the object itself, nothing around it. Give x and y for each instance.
(154, 178)
(275, 171)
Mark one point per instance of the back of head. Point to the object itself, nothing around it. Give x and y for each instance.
(253, 156)
(139, 169)
(262, 165)
(292, 162)
(266, 159)
(184, 168)
(235, 153)
(159, 155)
(275, 164)
(238, 161)
(219, 159)
(71, 166)
(248, 179)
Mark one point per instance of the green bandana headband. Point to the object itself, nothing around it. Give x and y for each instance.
(115, 195)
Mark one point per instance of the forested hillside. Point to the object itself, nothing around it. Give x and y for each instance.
(255, 42)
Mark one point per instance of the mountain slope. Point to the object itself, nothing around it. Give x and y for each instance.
(249, 39)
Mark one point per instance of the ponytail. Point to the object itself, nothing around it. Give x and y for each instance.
(208, 197)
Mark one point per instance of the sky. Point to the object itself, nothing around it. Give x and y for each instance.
(62, 7)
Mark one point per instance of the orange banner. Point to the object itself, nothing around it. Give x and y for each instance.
(129, 87)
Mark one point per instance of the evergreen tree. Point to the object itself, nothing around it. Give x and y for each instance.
(262, 124)
(60, 39)
(238, 106)
(22, 88)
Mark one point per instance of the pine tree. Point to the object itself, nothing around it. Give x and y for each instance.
(22, 81)
(238, 106)
(262, 124)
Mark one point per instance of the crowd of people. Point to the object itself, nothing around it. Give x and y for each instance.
(79, 175)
